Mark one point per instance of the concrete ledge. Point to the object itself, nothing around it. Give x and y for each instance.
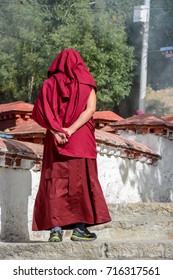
(99, 249)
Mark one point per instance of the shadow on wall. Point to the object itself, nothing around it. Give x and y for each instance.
(144, 181)
(152, 183)
(166, 170)
(130, 181)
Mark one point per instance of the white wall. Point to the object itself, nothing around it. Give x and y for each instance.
(15, 188)
(129, 181)
(159, 177)
(34, 235)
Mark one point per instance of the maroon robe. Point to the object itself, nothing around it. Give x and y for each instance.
(69, 190)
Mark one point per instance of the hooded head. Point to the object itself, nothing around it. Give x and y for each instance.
(70, 63)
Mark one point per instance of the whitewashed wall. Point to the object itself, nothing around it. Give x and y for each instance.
(158, 179)
(15, 189)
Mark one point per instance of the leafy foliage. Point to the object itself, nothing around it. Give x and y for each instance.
(32, 34)
(23, 50)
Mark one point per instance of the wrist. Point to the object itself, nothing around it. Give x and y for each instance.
(72, 130)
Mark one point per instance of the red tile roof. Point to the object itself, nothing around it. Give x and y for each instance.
(28, 131)
(126, 147)
(27, 127)
(107, 128)
(107, 116)
(146, 123)
(16, 106)
(24, 149)
(21, 155)
(167, 118)
(144, 119)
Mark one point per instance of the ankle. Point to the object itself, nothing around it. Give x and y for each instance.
(80, 226)
(56, 228)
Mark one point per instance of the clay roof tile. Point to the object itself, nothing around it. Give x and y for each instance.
(107, 116)
(16, 106)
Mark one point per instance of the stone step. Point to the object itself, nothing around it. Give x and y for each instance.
(135, 231)
(121, 232)
(100, 249)
(136, 221)
(141, 211)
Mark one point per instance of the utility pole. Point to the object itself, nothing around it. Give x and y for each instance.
(145, 9)
(144, 59)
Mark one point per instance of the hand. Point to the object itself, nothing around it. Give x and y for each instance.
(68, 130)
(60, 137)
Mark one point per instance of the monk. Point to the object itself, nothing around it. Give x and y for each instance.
(69, 194)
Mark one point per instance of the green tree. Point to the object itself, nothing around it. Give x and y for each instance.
(100, 37)
(46, 27)
(24, 50)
